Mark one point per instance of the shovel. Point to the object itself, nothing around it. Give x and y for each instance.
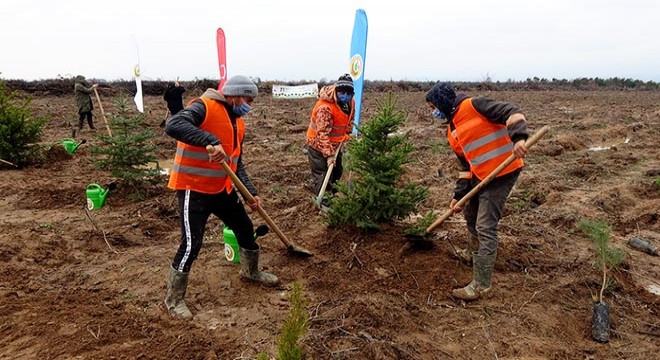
(328, 173)
(102, 112)
(422, 241)
(288, 243)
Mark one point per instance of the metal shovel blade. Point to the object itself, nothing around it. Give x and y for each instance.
(420, 242)
(300, 251)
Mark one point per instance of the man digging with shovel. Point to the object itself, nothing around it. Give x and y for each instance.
(483, 133)
(203, 187)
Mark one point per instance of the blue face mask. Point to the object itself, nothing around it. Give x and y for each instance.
(344, 98)
(241, 110)
(437, 114)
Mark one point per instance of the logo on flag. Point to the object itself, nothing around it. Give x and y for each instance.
(356, 66)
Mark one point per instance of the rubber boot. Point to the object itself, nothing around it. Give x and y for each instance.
(482, 272)
(250, 268)
(465, 255)
(177, 282)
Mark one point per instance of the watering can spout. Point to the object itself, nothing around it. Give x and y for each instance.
(80, 143)
(104, 194)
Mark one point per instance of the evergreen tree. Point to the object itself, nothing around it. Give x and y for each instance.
(129, 151)
(377, 195)
(19, 130)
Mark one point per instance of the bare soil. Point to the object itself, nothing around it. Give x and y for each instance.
(65, 293)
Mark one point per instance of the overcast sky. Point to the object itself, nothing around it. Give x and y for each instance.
(292, 40)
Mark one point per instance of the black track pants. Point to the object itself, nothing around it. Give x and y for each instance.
(195, 209)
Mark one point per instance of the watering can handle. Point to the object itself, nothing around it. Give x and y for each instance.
(93, 186)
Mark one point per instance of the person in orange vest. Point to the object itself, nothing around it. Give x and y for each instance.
(482, 133)
(330, 124)
(202, 186)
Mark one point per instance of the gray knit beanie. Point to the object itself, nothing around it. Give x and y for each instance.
(239, 85)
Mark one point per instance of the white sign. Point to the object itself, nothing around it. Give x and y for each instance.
(295, 92)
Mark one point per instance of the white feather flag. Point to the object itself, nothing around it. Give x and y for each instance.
(138, 84)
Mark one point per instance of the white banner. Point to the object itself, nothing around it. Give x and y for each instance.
(295, 92)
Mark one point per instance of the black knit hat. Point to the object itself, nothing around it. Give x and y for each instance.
(345, 84)
(442, 95)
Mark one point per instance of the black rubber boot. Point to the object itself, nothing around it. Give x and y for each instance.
(177, 282)
(250, 268)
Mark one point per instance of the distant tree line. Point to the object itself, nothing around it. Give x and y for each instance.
(64, 86)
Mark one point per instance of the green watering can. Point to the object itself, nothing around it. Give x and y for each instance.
(231, 243)
(96, 196)
(71, 145)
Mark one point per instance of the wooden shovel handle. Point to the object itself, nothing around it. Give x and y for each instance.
(102, 112)
(251, 199)
(531, 141)
(326, 179)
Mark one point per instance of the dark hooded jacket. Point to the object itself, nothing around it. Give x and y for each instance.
(83, 94)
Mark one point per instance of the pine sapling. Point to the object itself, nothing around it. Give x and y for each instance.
(295, 326)
(607, 258)
(378, 193)
(128, 153)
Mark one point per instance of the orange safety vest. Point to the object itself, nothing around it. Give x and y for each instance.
(192, 169)
(340, 121)
(484, 144)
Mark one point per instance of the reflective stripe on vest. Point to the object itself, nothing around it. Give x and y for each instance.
(340, 121)
(203, 156)
(197, 171)
(192, 169)
(484, 144)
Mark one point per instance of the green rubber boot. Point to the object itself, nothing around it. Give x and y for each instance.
(482, 272)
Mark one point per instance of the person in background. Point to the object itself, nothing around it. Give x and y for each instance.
(83, 94)
(202, 186)
(330, 124)
(482, 133)
(174, 98)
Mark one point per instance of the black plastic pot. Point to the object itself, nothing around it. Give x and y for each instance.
(600, 323)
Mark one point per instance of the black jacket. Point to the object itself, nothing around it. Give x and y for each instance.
(184, 127)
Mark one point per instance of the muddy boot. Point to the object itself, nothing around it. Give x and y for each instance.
(176, 290)
(250, 268)
(482, 270)
(465, 255)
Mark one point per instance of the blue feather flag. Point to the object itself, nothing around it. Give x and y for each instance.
(358, 56)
